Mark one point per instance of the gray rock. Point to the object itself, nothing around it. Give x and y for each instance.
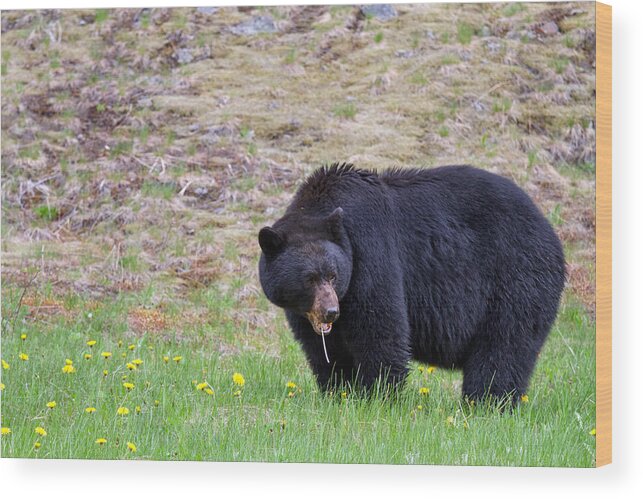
(493, 46)
(184, 56)
(548, 29)
(208, 11)
(380, 11)
(430, 34)
(258, 24)
(145, 102)
(214, 133)
(486, 31)
(465, 55)
(404, 54)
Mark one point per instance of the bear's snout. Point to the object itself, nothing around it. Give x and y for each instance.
(325, 309)
(331, 314)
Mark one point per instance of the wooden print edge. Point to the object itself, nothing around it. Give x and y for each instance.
(603, 234)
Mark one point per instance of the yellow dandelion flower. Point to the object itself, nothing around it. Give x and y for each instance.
(128, 386)
(209, 391)
(291, 394)
(290, 385)
(106, 355)
(419, 407)
(2, 386)
(524, 398)
(91, 343)
(87, 356)
(5, 430)
(101, 441)
(237, 393)
(238, 379)
(431, 369)
(137, 362)
(40, 431)
(124, 377)
(344, 395)
(68, 369)
(122, 411)
(166, 359)
(131, 347)
(131, 447)
(51, 405)
(120, 343)
(177, 359)
(36, 445)
(156, 403)
(5, 364)
(123, 355)
(131, 367)
(90, 410)
(421, 369)
(23, 336)
(201, 386)
(137, 409)
(592, 432)
(105, 372)
(424, 390)
(23, 356)
(68, 362)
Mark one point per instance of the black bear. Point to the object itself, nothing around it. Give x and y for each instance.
(452, 266)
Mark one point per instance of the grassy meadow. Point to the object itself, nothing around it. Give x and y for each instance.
(143, 149)
(184, 401)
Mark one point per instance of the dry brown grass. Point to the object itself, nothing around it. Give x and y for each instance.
(161, 173)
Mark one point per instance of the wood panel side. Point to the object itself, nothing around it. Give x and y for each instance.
(603, 234)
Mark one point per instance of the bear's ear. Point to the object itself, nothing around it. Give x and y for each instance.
(270, 241)
(334, 223)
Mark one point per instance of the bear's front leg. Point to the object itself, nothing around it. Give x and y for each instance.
(379, 342)
(331, 375)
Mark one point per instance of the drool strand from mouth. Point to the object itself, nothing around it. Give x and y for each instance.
(324, 343)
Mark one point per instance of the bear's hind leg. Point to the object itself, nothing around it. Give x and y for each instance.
(498, 368)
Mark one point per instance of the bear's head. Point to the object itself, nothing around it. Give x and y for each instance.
(306, 266)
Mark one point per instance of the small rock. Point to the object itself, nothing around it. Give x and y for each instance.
(381, 12)
(194, 127)
(493, 46)
(184, 56)
(479, 106)
(214, 133)
(258, 24)
(430, 34)
(208, 11)
(404, 54)
(465, 55)
(547, 29)
(201, 191)
(155, 80)
(486, 31)
(145, 102)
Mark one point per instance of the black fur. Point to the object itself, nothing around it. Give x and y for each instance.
(451, 266)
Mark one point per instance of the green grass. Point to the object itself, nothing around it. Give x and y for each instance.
(47, 213)
(465, 33)
(262, 422)
(347, 110)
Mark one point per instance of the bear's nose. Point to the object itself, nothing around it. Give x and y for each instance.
(331, 314)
